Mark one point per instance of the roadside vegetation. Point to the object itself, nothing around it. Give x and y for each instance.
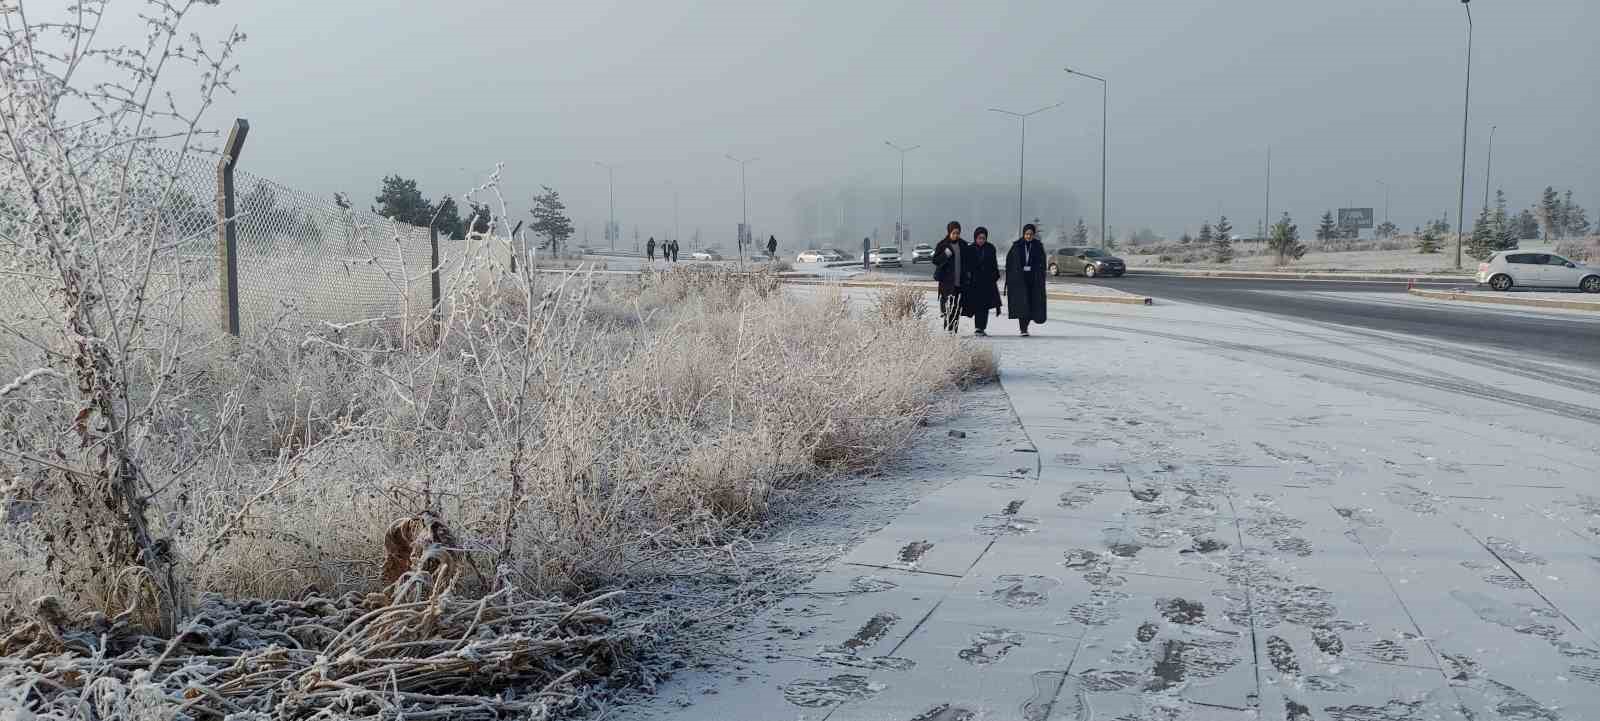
(421, 515)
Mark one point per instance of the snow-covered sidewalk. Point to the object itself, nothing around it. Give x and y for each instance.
(1196, 513)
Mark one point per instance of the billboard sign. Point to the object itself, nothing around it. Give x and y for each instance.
(1355, 217)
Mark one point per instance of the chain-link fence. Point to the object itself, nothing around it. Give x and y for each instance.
(287, 256)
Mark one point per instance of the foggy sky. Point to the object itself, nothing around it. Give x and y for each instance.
(1347, 93)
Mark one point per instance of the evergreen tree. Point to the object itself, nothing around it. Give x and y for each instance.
(1427, 239)
(1222, 241)
(341, 200)
(1505, 234)
(1550, 213)
(1186, 239)
(479, 218)
(400, 200)
(1526, 226)
(1080, 234)
(1326, 230)
(1386, 230)
(550, 219)
(1577, 221)
(1485, 238)
(1205, 235)
(447, 219)
(1285, 241)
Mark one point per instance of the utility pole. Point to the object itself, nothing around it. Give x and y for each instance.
(1266, 220)
(1466, 105)
(1022, 154)
(1488, 169)
(900, 223)
(1105, 102)
(611, 180)
(744, 199)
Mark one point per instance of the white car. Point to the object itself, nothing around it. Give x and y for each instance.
(706, 255)
(922, 254)
(809, 256)
(885, 257)
(1511, 268)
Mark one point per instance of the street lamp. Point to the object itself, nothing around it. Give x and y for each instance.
(1105, 97)
(1466, 105)
(1488, 170)
(744, 194)
(1022, 156)
(611, 180)
(901, 222)
(1385, 201)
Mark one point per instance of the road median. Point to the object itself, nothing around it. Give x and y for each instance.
(1307, 275)
(1477, 297)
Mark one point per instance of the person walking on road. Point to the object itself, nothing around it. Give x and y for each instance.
(772, 246)
(866, 254)
(947, 260)
(671, 253)
(1025, 279)
(650, 249)
(981, 293)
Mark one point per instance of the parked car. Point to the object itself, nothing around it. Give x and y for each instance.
(706, 255)
(836, 255)
(923, 253)
(1509, 268)
(809, 256)
(886, 258)
(1088, 262)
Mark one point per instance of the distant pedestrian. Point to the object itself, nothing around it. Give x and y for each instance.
(866, 254)
(772, 246)
(981, 292)
(674, 250)
(947, 262)
(650, 249)
(1025, 279)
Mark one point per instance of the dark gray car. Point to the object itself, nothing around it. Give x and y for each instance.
(1087, 262)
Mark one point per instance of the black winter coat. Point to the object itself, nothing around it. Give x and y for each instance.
(951, 269)
(981, 293)
(1025, 288)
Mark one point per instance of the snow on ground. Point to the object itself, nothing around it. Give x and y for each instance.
(1407, 259)
(1196, 513)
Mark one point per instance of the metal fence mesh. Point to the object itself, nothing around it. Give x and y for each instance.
(300, 258)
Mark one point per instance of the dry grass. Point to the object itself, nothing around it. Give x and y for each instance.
(902, 302)
(570, 431)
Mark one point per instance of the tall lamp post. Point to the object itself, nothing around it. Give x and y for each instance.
(900, 223)
(1022, 155)
(1385, 201)
(1466, 105)
(611, 180)
(744, 199)
(1488, 169)
(1105, 98)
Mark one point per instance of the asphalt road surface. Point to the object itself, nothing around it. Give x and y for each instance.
(1569, 338)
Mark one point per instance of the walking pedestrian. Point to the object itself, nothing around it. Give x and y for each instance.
(1025, 279)
(650, 249)
(981, 293)
(866, 254)
(772, 246)
(674, 250)
(947, 258)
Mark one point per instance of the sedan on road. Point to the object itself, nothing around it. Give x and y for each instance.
(923, 253)
(706, 255)
(1088, 262)
(1506, 269)
(886, 258)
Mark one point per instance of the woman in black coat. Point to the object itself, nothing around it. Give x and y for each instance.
(1025, 265)
(981, 293)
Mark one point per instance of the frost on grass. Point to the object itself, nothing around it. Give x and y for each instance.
(411, 515)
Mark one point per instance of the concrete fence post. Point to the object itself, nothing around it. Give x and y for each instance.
(433, 276)
(227, 229)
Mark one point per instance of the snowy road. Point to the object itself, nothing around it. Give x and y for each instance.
(1200, 513)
